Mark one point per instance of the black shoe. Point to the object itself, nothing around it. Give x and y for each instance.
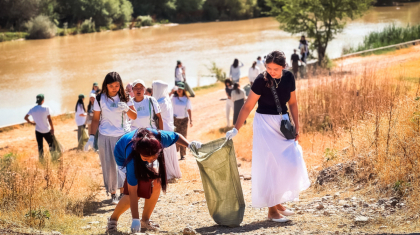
(114, 199)
(182, 158)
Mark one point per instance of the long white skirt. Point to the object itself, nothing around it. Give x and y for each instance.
(171, 163)
(278, 169)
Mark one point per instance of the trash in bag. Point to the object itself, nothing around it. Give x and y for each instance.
(83, 140)
(188, 88)
(247, 89)
(56, 150)
(222, 187)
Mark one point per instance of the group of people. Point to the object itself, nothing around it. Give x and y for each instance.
(136, 141)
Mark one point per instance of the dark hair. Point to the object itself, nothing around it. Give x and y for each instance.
(303, 41)
(149, 90)
(254, 63)
(228, 81)
(183, 92)
(277, 57)
(236, 87)
(235, 63)
(111, 78)
(259, 57)
(177, 64)
(89, 105)
(147, 144)
(80, 101)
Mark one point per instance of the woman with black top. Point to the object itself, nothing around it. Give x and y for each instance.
(278, 170)
(229, 102)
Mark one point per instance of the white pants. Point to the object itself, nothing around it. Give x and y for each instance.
(229, 106)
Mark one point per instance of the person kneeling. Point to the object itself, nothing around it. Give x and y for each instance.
(135, 153)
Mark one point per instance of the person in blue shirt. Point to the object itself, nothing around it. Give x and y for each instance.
(135, 153)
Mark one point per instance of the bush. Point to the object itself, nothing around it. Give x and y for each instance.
(218, 72)
(88, 26)
(40, 27)
(144, 21)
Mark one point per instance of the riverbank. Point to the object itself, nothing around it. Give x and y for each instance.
(347, 204)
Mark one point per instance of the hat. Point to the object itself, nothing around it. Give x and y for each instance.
(138, 81)
(180, 85)
(81, 96)
(95, 84)
(39, 98)
(93, 95)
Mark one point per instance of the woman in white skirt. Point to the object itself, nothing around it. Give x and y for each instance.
(278, 170)
(161, 94)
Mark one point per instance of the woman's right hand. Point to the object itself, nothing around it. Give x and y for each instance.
(232, 133)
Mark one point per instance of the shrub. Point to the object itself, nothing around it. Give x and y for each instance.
(144, 21)
(88, 26)
(41, 27)
(218, 72)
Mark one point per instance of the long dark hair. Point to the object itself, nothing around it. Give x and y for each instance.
(236, 88)
(111, 78)
(235, 63)
(90, 104)
(177, 64)
(254, 64)
(80, 101)
(184, 94)
(228, 81)
(146, 143)
(303, 41)
(277, 57)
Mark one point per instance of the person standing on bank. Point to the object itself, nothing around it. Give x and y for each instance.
(90, 111)
(253, 72)
(260, 64)
(95, 89)
(80, 116)
(279, 172)
(111, 107)
(238, 99)
(179, 73)
(44, 128)
(304, 48)
(229, 102)
(161, 94)
(235, 70)
(146, 106)
(295, 63)
(182, 112)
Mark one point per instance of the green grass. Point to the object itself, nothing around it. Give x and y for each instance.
(390, 35)
(9, 36)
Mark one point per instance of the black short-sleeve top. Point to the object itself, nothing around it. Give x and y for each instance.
(266, 103)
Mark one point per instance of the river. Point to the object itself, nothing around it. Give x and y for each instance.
(64, 67)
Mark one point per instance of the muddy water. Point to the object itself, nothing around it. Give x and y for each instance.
(64, 67)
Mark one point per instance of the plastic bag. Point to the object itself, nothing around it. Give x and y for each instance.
(56, 150)
(83, 140)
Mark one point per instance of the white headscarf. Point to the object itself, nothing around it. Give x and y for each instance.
(161, 94)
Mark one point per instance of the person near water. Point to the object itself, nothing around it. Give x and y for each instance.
(295, 63)
(260, 64)
(279, 173)
(112, 109)
(135, 152)
(90, 111)
(80, 116)
(182, 113)
(229, 102)
(44, 128)
(179, 73)
(161, 94)
(304, 48)
(146, 107)
(235, 70)
(253, 72)
(238, 98)
(149, 91)
(95, 89)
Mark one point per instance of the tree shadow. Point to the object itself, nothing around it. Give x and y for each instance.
(97, 207)
(218, 229)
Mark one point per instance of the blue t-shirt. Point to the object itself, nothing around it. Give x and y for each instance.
(168, 138)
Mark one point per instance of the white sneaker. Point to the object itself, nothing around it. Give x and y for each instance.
(286, 212)
(114, 199)
(281, 220)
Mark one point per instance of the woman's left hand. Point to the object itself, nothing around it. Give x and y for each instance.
(297, 137)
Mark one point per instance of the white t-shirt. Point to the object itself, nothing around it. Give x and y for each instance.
(261, 65)
(180, 106)
(235, 96)
(39, 114)
(80, 120)
(113, 122)
(253, 73)
(145, 113)
(178, 75)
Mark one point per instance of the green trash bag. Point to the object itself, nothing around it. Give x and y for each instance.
(222, 187)
(247, 89)
(83, 140)
(56, 150)
(188, 88)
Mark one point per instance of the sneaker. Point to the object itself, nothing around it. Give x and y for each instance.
(149, 226)
(111, 225)
(121, 196)
(114, 199)
(182, 158)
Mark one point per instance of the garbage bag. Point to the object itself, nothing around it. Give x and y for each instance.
(83, 140)
(188, 88)
(56, 150)
(247, 89)
(222, 187)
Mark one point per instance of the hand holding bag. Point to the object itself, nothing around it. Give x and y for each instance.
(286, 127)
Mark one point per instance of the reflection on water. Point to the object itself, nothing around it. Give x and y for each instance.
(64, 67)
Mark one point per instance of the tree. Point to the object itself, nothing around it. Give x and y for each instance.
(318, 19)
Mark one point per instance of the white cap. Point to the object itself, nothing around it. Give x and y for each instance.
(138, 81)
(93, 95)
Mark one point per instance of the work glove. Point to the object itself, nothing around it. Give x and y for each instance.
(232, 133)
(195, 144)
(135, 226)
(89, 143)
(123, 107)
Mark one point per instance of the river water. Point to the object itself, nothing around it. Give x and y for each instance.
(64, 67)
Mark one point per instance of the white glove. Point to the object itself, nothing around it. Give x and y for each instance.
(232, 133)
(89, 143)
(135, 226)
(196, 144)
(123, 106)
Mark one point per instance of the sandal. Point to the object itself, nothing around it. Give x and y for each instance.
(111, 225)
(149, 225)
